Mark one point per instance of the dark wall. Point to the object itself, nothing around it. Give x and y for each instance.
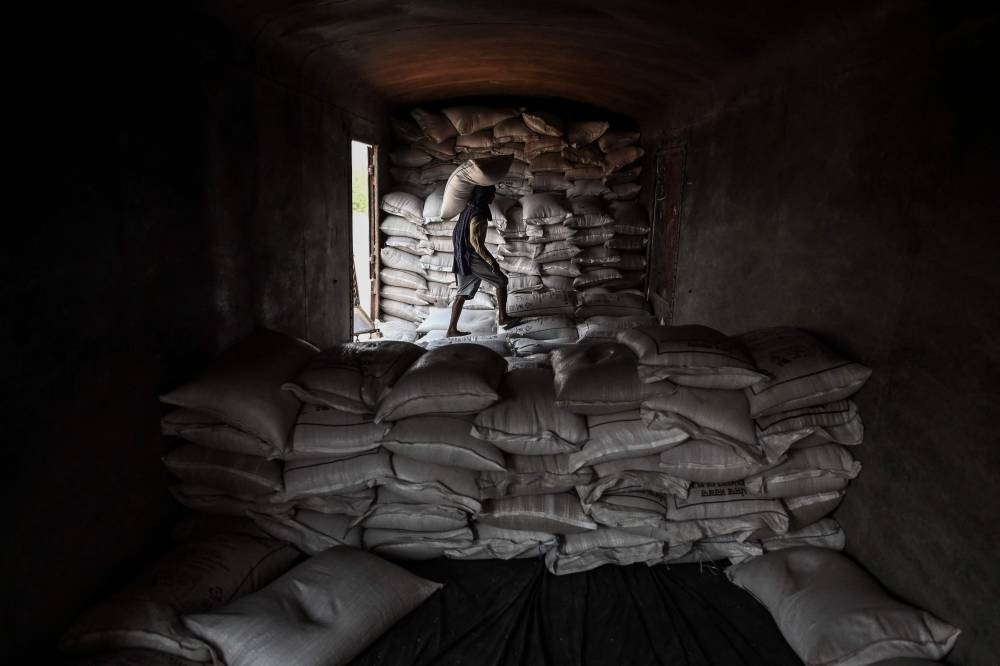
(180, 199)
(854, 194)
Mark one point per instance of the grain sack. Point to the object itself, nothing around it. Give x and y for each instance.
(457, 379)
(392, 512)
(627, 242)
(549, 233)
(616, 139)
(724, 547)
(410, 546)
(538, 304)
(396, 277)
(519, 249)
(539, 360)
(543, 122)
(310, 531)
(589, 550)
(354, 503)
(719, 417)
(469, 174)
(579, 134)
(481, 301)
(597, 256)
(629, 175)
(823, 534)
(404, 205)
(599, 302)
(600, 379)
(543, 209)
(350, 598)
(513, 148)
(520, 265)
(436, 127)
(805, 372)
(401, 295)
(623, 192)
(630, 261)
(512, 130)
(406, 156)
(494, 543)
(808, 509)
(405, 311)
(595, 277)
(620, 436)
(471, 321)
(435, 174)
(495, 343)
(322, 432)
(443, 440)
(550, 181)
(210, 500)
(514, 186)
(718, 509)
(549, 162)
(621, 157)
(395, 329)
(405, 130)
(440, 277)
(478, 141)
(588, 212)
(208, 431)
(438, 294)
(594, 236)
(408, 245)
(631, 280)
(242, 386)
(588, 187)
(195, 576)
(440, 150)
(421, 482)
(432, 205)
(832, 612)
(585, 173)
(585, 155)
(527, 421)
(439, 261)
(534, 475)
(529, 347)
(643, 472)
(818, 469)
(557, 283)
(402, 176)
(630, 218)
(335, 475)
(538, 145)
(641, 512)
(837, 422)
(232, 473)
(420, 191)
(558, 513)
(559, 269)
(470, 119)
(441, 229)
(543, 328)
(393, 258)
(698, 460)
(606, 329)
(521, 284)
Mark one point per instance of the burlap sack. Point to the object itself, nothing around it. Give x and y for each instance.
(444, 440)
(559, 513)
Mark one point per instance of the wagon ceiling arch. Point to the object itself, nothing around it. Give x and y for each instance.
(630, 56)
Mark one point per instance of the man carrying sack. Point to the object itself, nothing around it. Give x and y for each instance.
(473, 263)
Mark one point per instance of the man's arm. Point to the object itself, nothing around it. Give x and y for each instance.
(477, 238)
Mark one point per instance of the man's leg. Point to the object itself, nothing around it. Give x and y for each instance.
(456, 312)
(502, 317)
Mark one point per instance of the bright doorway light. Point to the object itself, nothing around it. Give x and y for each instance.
(362, 172)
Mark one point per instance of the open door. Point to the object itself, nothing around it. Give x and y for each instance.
(364, 269)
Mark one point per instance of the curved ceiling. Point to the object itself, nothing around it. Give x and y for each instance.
(630, 56)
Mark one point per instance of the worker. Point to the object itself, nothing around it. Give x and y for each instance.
(473, 263)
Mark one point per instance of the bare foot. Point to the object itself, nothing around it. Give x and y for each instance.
(507, 322)
(455, 334)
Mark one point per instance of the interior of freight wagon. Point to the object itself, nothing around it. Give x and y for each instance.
(741, 413)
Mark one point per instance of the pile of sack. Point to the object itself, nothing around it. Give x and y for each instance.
(667, 444)
(566, 218)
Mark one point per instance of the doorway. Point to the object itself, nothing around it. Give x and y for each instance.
(364, 269)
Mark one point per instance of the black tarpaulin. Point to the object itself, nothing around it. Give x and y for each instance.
(515, 613)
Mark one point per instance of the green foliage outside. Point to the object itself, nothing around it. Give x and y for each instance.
(359, 190)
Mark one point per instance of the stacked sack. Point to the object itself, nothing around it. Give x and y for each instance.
(566, 218)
